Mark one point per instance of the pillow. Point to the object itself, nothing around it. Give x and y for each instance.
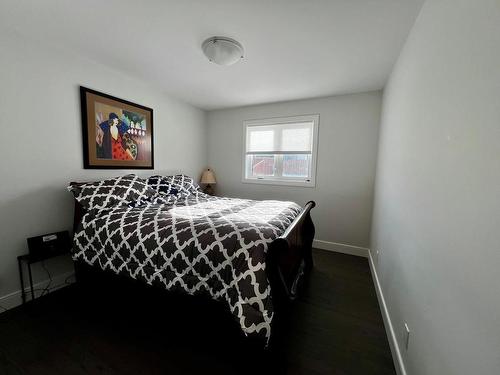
(161, 185)
(112, 192)
(174, 185)
(188, 183)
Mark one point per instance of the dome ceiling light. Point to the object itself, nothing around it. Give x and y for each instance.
(222, 50)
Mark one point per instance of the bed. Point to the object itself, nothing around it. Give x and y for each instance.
(165, 232)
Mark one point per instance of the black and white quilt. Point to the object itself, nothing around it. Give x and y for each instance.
(193, 244)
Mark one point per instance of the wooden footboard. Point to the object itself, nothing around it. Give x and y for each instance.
(290, 255)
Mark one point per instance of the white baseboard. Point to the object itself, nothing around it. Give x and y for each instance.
(341, 248)
(14, 299)
(389, 329)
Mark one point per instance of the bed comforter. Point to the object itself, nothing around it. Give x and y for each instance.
(198, 244)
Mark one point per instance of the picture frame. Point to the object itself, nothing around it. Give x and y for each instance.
(117, 133)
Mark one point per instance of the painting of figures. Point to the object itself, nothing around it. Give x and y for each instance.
(117, 133)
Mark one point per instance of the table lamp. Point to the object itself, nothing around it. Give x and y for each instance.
(208, 178)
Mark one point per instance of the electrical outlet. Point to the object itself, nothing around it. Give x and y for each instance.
(406, 336)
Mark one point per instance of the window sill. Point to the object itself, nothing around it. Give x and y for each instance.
(269, 181)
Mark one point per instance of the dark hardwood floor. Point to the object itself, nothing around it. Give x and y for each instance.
(334, 328)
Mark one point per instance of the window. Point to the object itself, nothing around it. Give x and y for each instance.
(281, 151)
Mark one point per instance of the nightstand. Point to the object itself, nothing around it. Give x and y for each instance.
(56, 244)
(29, 260)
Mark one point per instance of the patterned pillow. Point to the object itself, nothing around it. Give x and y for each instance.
(112, 192)
(178, 184)
(161, 185)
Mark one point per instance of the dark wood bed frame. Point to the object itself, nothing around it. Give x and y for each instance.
(289, 259)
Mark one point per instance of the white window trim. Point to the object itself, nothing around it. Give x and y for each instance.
(282, 180)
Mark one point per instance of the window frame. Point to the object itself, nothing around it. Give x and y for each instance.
(284, 181)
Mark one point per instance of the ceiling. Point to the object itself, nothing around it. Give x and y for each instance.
(294, 49)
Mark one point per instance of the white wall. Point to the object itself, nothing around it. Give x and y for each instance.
(437, 201)
(41, 142)
(348, 138)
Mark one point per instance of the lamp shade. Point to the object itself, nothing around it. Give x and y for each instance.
(208, 177)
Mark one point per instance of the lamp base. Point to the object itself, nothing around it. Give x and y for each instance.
(209, 190)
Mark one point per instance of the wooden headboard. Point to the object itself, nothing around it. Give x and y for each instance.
(79, 211)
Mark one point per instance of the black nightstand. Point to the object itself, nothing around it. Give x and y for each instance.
(42, 247)
(29, 260)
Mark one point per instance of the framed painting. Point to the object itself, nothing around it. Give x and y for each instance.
(117, 134)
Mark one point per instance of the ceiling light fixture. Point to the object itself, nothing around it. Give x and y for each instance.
(222, 50)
